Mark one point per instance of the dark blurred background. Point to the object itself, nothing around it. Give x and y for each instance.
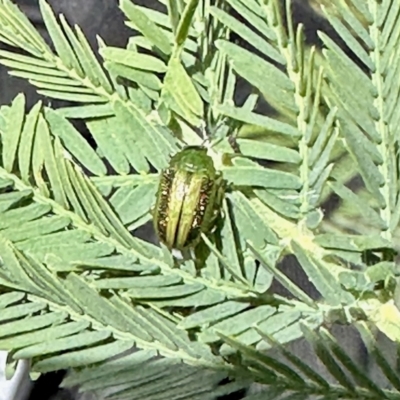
(103, 18)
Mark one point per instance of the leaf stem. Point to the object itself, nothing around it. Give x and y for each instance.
(386, 146)
(292, 49)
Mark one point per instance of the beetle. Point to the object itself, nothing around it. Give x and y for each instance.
(189, 198)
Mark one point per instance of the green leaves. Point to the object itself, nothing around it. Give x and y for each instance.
(290, 373)
(179, 90)
(134, 59)
(74, 142)
(80, 290)
(270, 81)
(80, 297)
(246, 172)
(74, 75)
(11, 141)
(151, 138)
(141, 375)
(367, 123)
(146, 26)
(293, 86)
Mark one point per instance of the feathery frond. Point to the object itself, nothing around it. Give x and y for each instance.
(369, 122)
(286, 373)
(141, 375)
(79, 291)
(75, 74)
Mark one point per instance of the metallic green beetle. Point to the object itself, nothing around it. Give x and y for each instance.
(188, 199)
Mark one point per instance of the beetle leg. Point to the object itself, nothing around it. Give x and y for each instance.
(232, 140)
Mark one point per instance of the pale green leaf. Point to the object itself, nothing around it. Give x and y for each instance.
(86, 111)
(244, 115)
(60, 42)
(144, 25)
(134, 59)
(213, 314)
(110, 141)
(25, 148)
(246, 173)
(131, 203)
(140, 77)
(248, 223)
(247, 34)
(74, 142)
(321, 277)
(179, 86)
(15, 117)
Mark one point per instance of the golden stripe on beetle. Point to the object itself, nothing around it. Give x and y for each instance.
(188, 199)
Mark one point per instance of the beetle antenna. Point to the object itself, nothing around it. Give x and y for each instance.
(203, 132)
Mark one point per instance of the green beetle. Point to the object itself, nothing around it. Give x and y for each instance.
(189, 198)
